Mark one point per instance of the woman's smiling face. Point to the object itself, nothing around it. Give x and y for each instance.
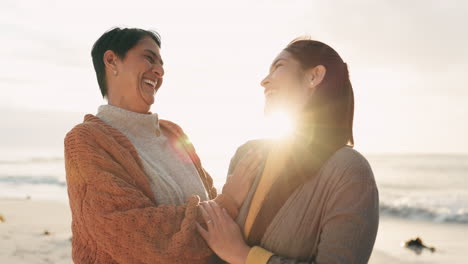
(285, 86)
(139, 76)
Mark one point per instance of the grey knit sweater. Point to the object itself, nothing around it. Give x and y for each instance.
(172, 175)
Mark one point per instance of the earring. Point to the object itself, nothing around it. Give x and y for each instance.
(115, 72)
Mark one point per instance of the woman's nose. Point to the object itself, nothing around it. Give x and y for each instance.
(159, 70)
(264, 82)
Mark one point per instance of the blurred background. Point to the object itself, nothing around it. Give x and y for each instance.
(407, 60)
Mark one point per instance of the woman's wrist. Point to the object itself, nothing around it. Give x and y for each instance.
(241, 255)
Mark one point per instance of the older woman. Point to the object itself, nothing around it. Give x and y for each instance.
(316, 199)
(134, 181)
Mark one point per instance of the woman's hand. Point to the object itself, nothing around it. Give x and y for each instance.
(223, 235)
(239, 182)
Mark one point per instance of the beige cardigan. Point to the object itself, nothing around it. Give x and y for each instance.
(332, 218)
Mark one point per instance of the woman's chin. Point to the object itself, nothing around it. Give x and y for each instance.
(149, 101)
(148, 97)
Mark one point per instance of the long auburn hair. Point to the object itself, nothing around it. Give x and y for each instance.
(331, 107)
(326, 124)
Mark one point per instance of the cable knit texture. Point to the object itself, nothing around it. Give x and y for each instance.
(115, 216)
(173, 177)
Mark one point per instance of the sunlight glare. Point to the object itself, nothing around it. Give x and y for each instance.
(278, 125)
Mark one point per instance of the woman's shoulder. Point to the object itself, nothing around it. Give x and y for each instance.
(347, 160)
(349, 155)
(85, 131)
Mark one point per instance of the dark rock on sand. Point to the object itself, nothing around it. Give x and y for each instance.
(417, 245)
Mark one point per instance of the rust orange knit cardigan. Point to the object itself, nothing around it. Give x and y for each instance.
(115, 218)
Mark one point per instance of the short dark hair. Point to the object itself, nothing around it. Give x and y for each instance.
(120, 41)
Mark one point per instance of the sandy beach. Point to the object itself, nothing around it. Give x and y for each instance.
(22, 238)
(450, 241)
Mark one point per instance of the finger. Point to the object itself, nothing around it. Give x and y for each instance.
(228, 222)
(225, 212)
(202, 232)
(217, 210)
(211, 214)
(226, 215)
(205, 214)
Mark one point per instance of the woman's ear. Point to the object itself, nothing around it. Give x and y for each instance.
(110, 61)
(316, 75)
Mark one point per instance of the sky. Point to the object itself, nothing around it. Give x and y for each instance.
(407, 61)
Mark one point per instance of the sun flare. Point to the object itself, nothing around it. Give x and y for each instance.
(278, 125)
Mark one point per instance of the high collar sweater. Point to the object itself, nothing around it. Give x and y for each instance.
(171, 173)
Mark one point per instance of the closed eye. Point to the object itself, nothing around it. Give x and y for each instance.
(150, 59)
(276, 66)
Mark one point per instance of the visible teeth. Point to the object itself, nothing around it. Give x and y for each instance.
(151, 82)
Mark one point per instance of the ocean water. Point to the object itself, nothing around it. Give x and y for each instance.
(423, 186)
(431, 187)
(35, 173)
